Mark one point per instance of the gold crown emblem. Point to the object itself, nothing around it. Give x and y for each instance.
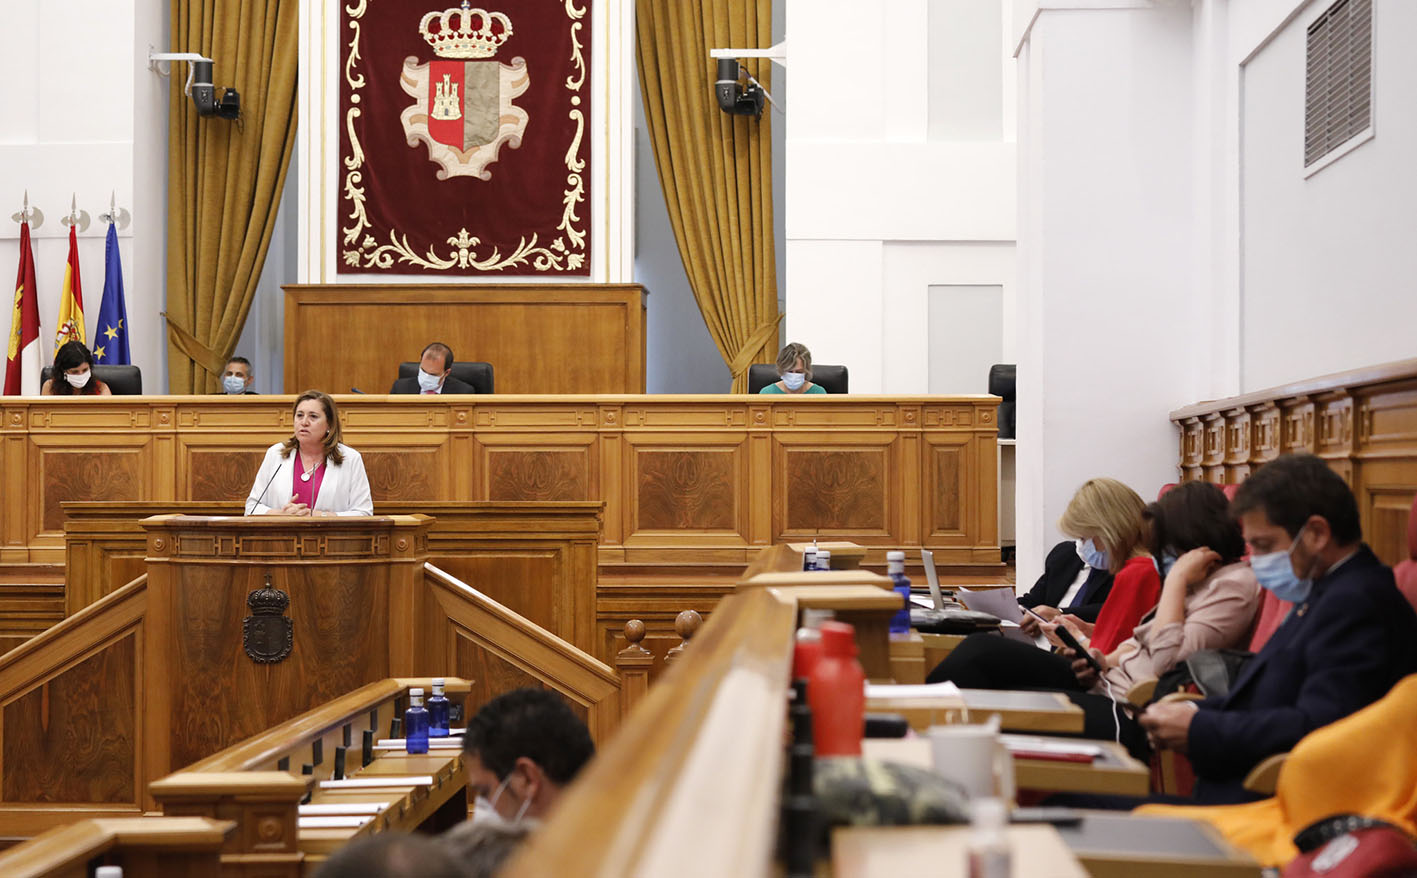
(478, 33)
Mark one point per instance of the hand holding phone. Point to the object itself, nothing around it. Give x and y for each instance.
(1071, 642)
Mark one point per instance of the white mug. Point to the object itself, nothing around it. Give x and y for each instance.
(973, 756)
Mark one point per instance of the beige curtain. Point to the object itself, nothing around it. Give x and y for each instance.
(716, 169)
(223, 178)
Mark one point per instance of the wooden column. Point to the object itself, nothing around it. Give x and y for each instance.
(633, 662)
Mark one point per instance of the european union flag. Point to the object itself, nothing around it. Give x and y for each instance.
(110, 338)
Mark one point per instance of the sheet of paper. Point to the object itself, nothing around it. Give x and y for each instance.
(1001, 602)
(1042, 744)
(346, 822)
(915, 691)
(448, 743)
(923, 601)
(356, 783)
(328, 809)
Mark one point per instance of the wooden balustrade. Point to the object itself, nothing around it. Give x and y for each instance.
(258, 784)
(1362, 422)
(686, 625)
(145, 847)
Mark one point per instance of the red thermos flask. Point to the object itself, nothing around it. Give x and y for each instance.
(836, 690)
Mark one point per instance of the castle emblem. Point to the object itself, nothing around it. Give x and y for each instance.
(463, 112)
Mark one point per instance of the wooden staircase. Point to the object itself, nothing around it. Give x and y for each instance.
(31, 600)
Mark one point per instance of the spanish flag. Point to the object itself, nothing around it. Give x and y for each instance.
(22, 355)
(71, 298)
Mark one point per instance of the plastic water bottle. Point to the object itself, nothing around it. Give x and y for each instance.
(108, 872)
(415, 723)
(824, 559)
(989, 854)
(809, 557)
(895, 569)
(438, 710)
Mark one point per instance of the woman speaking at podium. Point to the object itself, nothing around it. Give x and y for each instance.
(312, 472)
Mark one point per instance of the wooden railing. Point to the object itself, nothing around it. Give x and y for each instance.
(498, 649)
(1362, 422)
(80, 678)
(145, 847)
(690, 784)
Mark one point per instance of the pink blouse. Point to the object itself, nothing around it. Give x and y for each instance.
(303, 491)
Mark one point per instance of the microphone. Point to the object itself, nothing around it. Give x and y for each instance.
(356, 390)
(262, 496)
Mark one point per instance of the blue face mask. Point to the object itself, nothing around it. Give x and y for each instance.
(1091, 555)
(233, 384)
(1168, 560)
(1275, 571)
(794, 380)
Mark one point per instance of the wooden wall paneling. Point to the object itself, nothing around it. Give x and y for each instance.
(982, 481)
(945, 509)
(16, 524)
(105, 466)
(1213, 460)
(1192, 449)
(1297, 433)
(539, 466)
(615, 481)
(1333, 420)
(913, 491)
(1264, 433)
(1385, 488)
(592, 333)
(760, 474)
(1387, 423)
(837, 486)
(73, 737)
(1237, 445)
(685, 486)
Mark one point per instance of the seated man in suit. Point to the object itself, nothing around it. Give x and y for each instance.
(1349, 638)
(520, 751)
(435, 366)
(1068, 585)
(238, 376)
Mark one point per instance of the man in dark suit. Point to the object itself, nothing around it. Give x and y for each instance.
(1061, 571)
(1349, 638)
(435, 368)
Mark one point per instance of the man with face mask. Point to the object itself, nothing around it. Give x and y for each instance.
(238, 376)
(1349, 637)
(435, 367)
(521, 750)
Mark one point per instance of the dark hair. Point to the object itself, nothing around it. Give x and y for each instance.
(1195, 515)
(483, 848)
(391, 855)
(1294, 487)
(438, 347)
(533, 723)
(71, 355)
(332, 438)
(250, 370)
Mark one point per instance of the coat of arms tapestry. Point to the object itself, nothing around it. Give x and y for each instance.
(465, 138)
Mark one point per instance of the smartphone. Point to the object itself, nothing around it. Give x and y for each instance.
(1071, 642)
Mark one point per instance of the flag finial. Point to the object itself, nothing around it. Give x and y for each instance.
(32, 215)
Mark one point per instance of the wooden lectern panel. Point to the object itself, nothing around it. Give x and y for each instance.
(539, 338)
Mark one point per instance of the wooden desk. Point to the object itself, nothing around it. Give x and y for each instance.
(1038, 852)
(1017, 711)
(145, 847)
(1116, 772)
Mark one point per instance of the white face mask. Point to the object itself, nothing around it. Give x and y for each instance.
(234, 384)
(428, 382)
(78, 381)
(794, 380)
(488, 814)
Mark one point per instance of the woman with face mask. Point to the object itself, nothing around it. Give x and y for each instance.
(1105, 519)
(794, 368)
(73, 373)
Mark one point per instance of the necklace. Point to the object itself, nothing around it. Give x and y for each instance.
(305, 476)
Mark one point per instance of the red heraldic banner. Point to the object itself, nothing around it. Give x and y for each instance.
(465, 138)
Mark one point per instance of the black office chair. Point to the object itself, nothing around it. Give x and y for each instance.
(1001, 384)
(122, 380)
(479, 375)
(832, 378)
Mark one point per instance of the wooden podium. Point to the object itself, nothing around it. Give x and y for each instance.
(226, 657)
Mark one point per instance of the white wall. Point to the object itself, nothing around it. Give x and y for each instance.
(898, 178)
(82, 116)
(1110, 338)
(1328, 259)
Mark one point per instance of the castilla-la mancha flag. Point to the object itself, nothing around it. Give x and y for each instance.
(22, 361)
(71, 299)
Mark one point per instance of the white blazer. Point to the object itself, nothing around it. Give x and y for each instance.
(344, 491)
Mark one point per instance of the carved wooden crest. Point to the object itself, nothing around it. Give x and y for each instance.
(267, 634)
